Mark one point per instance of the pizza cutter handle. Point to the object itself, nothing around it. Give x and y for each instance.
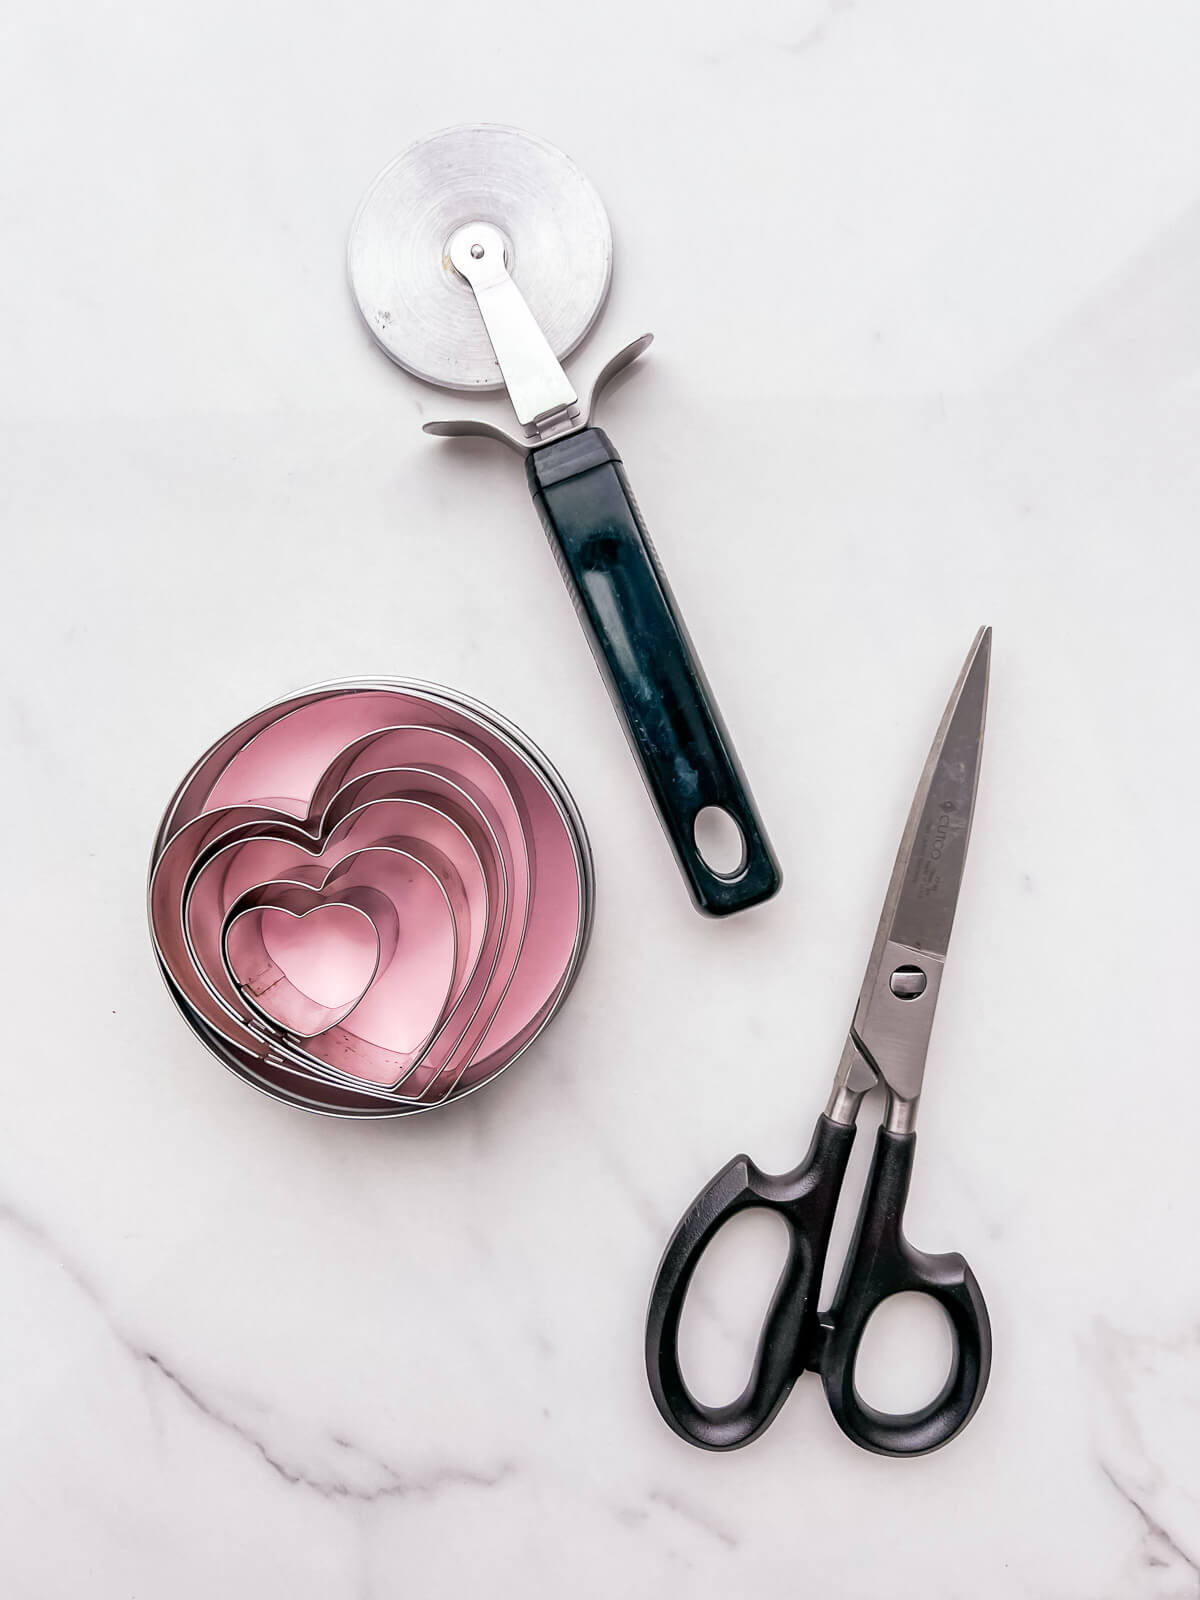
(657, 684)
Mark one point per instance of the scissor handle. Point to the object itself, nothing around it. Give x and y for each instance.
(881, 1263)
(806, 1199)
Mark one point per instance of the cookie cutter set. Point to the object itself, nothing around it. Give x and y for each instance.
(370, 898)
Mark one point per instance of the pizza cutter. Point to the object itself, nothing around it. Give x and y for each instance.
(480, 258)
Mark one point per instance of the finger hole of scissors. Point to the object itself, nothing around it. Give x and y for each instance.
(727, 1304)
(906, 1354)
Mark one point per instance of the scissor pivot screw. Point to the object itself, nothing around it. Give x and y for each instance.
(908, 983)
(477, 251)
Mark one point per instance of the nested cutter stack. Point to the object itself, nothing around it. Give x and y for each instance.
(480, 258)
(371, 897)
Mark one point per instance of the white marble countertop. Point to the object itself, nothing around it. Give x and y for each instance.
(924, 284)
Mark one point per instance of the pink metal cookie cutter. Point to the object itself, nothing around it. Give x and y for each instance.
(370, 897)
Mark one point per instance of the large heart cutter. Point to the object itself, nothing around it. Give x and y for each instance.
(370, 897)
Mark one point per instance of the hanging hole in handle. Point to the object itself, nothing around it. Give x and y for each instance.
(906, 1354)
(720, 841)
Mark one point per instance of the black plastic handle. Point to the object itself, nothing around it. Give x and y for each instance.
(656, 682)
(806, 1199)
(882, 1263)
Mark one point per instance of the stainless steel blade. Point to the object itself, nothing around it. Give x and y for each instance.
(889, 1036)
(557, 245)
(933, 852)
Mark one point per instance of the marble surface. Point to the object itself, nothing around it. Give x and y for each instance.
(924, 284)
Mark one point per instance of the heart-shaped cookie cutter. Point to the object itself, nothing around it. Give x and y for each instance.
(370, 897)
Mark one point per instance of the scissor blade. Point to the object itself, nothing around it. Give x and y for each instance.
(933, 851)
(895, 1007)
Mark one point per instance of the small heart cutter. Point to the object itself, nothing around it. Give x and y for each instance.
(371, 897)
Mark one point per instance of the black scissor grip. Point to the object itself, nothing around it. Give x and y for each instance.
(806, 1199)
(881, 1263)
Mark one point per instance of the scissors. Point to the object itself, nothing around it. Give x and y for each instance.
(886, 1045)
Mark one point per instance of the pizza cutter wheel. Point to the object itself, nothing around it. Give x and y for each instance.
(556, 239)
(479, 259)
